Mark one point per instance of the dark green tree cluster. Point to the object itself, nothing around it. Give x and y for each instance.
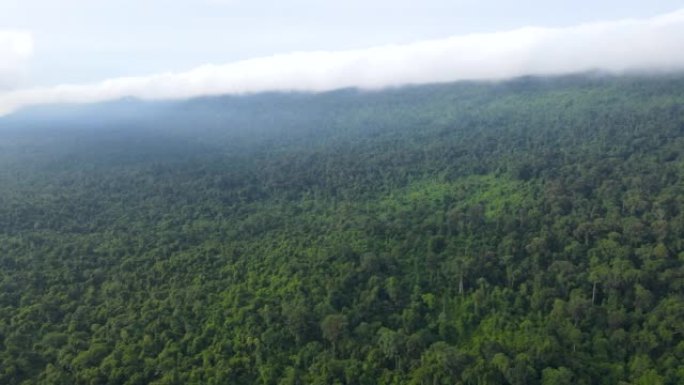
(522, 232)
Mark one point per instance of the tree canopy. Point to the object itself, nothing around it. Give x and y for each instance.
(521, 232)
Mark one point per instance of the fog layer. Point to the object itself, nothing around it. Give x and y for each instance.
(654, 44)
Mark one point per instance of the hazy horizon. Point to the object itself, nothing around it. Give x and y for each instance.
(620, 45)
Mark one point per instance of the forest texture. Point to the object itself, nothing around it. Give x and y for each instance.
(522, 232)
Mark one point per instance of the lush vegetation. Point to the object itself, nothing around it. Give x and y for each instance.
(525, 232)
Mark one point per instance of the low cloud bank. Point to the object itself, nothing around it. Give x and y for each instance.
(653, 44)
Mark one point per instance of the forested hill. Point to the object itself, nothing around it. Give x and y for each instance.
(521, 232)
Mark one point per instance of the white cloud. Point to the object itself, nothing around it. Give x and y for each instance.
(15, 49)
(628, 45)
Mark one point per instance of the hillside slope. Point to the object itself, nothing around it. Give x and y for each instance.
(523, 232)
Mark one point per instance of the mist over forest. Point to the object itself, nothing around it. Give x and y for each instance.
(527, 231)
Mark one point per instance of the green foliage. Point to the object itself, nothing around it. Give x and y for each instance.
(523, 232)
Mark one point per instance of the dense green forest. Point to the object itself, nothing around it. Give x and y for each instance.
(520, 232)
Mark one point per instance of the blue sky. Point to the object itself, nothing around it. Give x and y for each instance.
(44, 43)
